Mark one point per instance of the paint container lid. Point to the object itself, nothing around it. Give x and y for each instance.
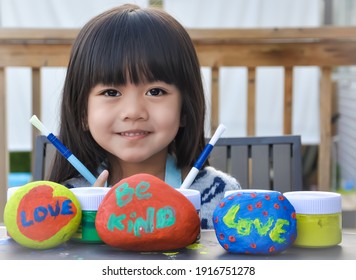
(193, 196)
(90, 197)
(314, 202)
(227, 193)
(11, 191)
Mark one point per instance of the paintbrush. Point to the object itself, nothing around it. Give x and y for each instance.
(63, 150)
(202, 158)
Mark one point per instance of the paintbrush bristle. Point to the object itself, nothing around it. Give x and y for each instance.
(39, 125)
(220, 130)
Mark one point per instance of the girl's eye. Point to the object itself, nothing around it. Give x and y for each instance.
(111, 93)
(155, 92)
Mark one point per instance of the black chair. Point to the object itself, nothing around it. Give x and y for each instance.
(44, 155)
(272, 162)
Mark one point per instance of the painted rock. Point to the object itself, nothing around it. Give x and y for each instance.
(42, 215)
(143, 213)
(255, 222)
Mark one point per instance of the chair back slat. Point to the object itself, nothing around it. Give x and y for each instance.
(282, 167)
(239, 163)
(219, 155)
(44, 155)
(50, 154)
(260, 167)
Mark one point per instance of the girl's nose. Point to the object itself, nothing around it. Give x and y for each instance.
(133, 108)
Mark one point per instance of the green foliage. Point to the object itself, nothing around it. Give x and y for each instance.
(20, 162)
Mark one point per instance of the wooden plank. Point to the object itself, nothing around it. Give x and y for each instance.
(277, 54)
(38, 35)
(4, 153)
(34, 55)
(215, 47)
(36, 103)
(288, 100)
(208, 36)
(248, 55)
(280, 35)
(214, 99)
(251, 101)
(324, 159)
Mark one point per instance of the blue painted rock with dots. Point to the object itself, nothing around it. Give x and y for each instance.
(255, 222)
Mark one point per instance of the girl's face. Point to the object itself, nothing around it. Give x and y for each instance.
(135, 123)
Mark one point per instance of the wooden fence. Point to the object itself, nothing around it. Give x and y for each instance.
(325, 47)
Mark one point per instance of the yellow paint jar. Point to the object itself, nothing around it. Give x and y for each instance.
(319, 220)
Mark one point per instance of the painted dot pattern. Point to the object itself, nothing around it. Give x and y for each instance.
(255, 222)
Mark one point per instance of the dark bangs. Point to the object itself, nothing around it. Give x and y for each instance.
(132, 47)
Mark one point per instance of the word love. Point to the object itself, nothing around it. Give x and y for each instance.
(131, 221)
(40, 213)
(244, 227)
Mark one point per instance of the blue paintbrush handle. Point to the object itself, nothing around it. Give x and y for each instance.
(71, 158)
(59, 145)
(203, 156)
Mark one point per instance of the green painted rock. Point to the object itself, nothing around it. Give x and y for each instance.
(143, 213)
(42, 215)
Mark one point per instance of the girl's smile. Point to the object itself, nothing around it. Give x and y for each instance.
(134, 134)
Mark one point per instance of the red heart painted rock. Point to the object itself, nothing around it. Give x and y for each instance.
(143, 213)
(42, 215)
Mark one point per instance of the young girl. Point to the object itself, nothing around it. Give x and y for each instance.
(133, 102)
